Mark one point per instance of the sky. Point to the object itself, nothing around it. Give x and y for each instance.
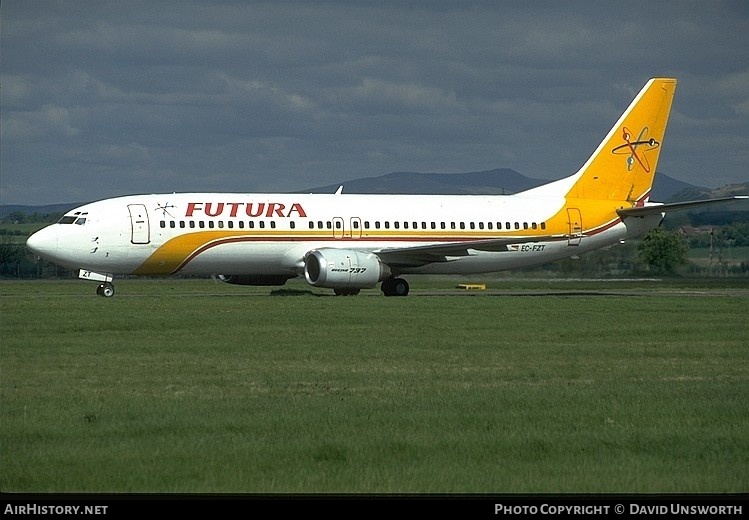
(106, 98)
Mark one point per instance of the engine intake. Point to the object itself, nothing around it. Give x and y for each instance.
(343, 269)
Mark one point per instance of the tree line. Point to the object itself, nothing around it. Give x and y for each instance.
(663, 251)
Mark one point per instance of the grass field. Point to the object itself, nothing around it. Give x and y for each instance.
(532, 387)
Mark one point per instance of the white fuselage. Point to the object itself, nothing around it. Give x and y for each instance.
(270, 234)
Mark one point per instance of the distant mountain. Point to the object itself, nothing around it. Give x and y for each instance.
(7, 209)
(696, 193)
(501, 181)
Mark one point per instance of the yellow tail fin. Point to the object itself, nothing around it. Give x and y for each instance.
(623, 166)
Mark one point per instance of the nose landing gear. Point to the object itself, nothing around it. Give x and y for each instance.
(105, 289)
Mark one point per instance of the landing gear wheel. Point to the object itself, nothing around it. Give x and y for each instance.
(395, 287)
(106, 290)
(400, 287)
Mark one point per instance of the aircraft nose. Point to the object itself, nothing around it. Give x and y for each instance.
(43, 243)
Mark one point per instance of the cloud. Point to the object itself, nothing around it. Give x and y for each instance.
(142, 96)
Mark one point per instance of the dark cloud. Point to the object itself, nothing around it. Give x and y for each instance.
(108, 98)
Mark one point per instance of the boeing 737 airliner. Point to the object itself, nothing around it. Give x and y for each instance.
(349, 242)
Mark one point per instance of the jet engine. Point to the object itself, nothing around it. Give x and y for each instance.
(343, 269)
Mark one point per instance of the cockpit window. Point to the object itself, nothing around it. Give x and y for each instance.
(79, 217)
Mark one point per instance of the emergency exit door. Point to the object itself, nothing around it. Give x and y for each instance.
(576, 226)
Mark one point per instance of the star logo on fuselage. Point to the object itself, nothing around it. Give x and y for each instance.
(164, 208)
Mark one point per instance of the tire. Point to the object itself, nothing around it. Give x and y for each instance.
(106, 290)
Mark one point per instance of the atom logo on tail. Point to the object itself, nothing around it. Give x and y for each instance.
(633, 148)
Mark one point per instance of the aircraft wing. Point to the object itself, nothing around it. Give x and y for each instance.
(421, 255)
(655, 209)
(425, 254)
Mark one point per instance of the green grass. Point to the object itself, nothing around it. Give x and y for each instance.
(190, 386)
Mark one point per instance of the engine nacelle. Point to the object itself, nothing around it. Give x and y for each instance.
(255, 279)
(343, 269)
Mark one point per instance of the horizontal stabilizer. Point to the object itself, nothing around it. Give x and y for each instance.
(655, 209)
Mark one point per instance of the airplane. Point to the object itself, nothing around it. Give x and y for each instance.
(349, 242)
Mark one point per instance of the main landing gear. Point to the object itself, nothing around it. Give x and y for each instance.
(394, 287)
(105, 289)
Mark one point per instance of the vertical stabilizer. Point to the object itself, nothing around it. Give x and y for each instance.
(623, 166)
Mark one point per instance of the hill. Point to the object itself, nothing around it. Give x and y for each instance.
(7, 210)
(501, 181)
(696, 193)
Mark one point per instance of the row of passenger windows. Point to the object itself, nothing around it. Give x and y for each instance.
(355, 224)
(444, 225)
(213, 224)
